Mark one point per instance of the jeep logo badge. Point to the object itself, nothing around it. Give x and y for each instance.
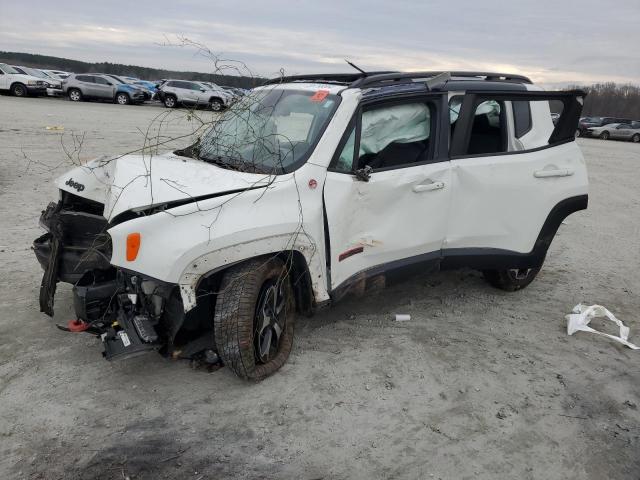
(78, 186)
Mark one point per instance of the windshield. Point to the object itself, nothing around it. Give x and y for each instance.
(269, 131)
(36, 73)
(7, 69)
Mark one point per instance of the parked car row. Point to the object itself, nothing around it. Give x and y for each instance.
(22, 81)
(609, 128)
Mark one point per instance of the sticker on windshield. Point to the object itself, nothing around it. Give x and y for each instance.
(319, 96)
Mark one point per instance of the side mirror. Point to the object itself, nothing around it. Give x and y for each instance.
(203, 90)
(110, 84)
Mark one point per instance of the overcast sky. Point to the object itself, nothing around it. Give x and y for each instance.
(557, 41)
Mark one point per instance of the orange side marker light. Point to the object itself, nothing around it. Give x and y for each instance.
(133, 245)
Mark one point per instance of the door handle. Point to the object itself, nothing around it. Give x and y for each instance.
(561, 172)
(428, 187)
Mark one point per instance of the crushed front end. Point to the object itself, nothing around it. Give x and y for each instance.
(129, 312)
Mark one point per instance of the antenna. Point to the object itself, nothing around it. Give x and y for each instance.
(356, 67)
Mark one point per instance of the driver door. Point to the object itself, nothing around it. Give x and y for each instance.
(396, 218)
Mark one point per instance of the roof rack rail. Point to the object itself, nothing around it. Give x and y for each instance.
(341, 78)
(370, 79)
(406, 77)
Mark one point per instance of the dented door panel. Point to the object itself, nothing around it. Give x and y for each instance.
(394, 216)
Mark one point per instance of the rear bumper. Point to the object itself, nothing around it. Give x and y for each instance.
(55, 92)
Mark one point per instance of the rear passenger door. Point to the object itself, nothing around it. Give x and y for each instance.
(387, 190)
(103, 88)
(510, 168)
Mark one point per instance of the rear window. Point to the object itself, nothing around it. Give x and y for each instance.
(85, 78)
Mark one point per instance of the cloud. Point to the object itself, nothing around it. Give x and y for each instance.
(550, 41)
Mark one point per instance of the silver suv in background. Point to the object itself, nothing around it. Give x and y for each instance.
(181, 92)
(100, 87)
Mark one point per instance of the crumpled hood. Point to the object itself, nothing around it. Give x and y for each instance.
(138, 182)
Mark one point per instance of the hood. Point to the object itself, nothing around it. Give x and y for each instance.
(137, 182)
(126, 86)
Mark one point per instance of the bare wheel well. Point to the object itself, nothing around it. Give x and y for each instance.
(298, 273)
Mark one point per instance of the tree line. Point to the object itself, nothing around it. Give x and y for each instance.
(611, 100)
(76, 66)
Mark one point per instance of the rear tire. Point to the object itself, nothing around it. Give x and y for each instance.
(636, 138)
(604, 135)
(216, 104)
(254, 318)
(170, 101)
(19, 90)
(123, 99)
(512, 279)
(74, 95)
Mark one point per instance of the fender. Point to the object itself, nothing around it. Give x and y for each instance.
(223, 258)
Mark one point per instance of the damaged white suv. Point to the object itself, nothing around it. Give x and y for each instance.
(306, 189)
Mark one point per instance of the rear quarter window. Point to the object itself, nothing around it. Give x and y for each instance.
(521, 118)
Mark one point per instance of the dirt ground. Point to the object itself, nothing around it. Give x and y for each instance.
(480, 384)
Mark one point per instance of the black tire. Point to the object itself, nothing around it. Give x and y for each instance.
(604, 135)
(19, 90)
(74, 95)
(122, 98)
(216, 104)
(170, 101)
(252, 350)
(511, 280)
(636, 138)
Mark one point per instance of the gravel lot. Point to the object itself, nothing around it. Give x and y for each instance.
(479, 384)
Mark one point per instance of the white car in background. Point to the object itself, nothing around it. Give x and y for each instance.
(54, 87)
(57, 73)
(174, 93)
(307, 189)
(20, 84)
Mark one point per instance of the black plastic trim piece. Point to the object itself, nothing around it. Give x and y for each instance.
(402, 267)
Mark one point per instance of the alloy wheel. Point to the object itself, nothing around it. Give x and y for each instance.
(270, 320)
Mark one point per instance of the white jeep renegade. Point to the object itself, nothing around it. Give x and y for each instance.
(306, 189)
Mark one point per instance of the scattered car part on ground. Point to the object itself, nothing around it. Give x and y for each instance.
(581, 315)
(20, 84)
(279, 208)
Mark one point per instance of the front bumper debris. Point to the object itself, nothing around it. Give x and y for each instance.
(76, 243)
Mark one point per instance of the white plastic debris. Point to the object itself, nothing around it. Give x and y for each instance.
(401, 317)
(579, 318)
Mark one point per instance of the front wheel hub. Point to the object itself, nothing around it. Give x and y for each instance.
(270, 320)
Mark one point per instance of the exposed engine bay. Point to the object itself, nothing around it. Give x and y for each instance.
(131, 314)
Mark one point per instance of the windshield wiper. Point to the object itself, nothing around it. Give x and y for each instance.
(221, 162)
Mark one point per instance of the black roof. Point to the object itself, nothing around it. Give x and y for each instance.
(434, 80)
